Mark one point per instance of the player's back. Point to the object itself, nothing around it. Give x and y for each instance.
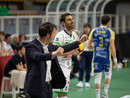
(101, 38)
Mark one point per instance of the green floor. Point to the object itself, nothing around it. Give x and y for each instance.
(120, 86)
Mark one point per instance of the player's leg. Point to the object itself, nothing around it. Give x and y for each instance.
(108, 74)
(62, 97)
(63, 93)
(107, 83)
(98, 77)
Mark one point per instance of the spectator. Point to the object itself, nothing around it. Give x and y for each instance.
(85, 60)
(17, 61)
(15, 41)
(22, 37)
(2, 35)
(7, 47)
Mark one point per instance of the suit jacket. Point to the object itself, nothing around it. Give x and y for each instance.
(36, 67)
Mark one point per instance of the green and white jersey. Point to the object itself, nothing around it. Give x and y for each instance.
(63, 38)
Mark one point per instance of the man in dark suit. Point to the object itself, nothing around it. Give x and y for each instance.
(43, 70)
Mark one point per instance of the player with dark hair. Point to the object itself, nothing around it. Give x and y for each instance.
(64, 37)
(103, 39)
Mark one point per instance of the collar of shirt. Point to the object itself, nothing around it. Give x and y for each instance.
(103, 26)
(45, 47)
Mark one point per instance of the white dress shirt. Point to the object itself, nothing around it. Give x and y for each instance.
(48, 73)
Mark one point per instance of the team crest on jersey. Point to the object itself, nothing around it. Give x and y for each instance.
(68, 63)
(57, 39)
(73, 37)
(66, 88)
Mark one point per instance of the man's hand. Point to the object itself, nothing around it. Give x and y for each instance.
(116, 65)
(78, 57)
(83, 38)
(58, 52)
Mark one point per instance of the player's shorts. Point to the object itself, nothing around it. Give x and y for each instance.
(101, 64)
(64, 90)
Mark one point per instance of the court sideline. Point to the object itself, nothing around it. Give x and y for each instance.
(120, 86)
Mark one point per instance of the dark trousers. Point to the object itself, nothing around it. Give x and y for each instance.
(85, 64)
(47, 94)
(76, 64)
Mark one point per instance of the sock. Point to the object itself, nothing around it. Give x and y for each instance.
(106, 87)
(97, 93)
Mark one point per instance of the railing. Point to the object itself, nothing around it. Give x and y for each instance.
(28, 25)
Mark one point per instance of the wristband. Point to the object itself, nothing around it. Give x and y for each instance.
(115, 59)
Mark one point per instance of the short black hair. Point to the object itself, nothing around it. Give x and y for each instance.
(105, 20)
(87, 25)
(22, 35)
(62, 18)
(7, 35)
(2, 33)
(45, 28)
(19, 47)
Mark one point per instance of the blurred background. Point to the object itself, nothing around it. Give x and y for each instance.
(24, 17)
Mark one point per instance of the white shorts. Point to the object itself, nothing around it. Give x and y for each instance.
(66, 72)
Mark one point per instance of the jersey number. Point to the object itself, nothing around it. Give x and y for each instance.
(101, 41)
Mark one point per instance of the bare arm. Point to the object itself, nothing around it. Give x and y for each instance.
(67, 53)
(113, 51)
(20, 68)
(58, 52)
(2, 48)
(83, 39)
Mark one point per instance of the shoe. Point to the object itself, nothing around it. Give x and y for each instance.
(80, 84)
(105, 95)
(87, 85)
(23, 95)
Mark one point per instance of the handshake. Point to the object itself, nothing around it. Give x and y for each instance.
(60, 50)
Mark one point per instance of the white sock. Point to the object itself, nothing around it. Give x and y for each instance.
(97, 93)
(106, 87)
(63, 97)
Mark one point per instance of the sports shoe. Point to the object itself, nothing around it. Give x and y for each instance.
(23, 95)
(80, 84)
(105, 95)
(87, 85)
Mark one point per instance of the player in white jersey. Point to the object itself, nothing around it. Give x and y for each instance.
(66, 36)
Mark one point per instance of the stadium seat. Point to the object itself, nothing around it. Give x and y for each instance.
(13, 92)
